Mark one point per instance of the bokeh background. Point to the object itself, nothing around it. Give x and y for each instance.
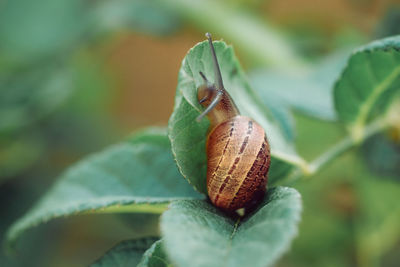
(78, 75)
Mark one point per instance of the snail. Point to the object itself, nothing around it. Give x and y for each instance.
(238, 152)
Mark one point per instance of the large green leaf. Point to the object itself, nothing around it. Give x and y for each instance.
(309, 92)
(370, 81)
(126, 253)
(135, 176)
(197, 234)
(188, 137)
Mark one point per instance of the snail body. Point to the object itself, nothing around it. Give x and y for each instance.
(238, 152)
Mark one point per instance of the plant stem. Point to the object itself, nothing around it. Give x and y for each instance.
(345, 144)
(342, 146)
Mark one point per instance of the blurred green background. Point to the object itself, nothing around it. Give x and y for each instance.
(78, 75)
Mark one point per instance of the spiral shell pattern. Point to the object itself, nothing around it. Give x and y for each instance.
(238, 157)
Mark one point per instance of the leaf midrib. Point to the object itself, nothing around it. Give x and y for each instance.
(230, 241)
(376, 92)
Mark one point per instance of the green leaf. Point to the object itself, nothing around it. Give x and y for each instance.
(136, 176)
(145, 252)
(197, 234)
(188, 137)
(309, 92)
(126, 253)
(368, 84)
(155, 256)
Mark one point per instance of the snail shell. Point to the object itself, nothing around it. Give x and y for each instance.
(238, 159)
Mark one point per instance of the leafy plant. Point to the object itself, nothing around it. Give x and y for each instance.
(144, 173)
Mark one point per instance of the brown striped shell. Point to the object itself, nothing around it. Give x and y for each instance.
(238, 156)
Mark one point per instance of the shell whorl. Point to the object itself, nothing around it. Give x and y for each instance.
(238, 157)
